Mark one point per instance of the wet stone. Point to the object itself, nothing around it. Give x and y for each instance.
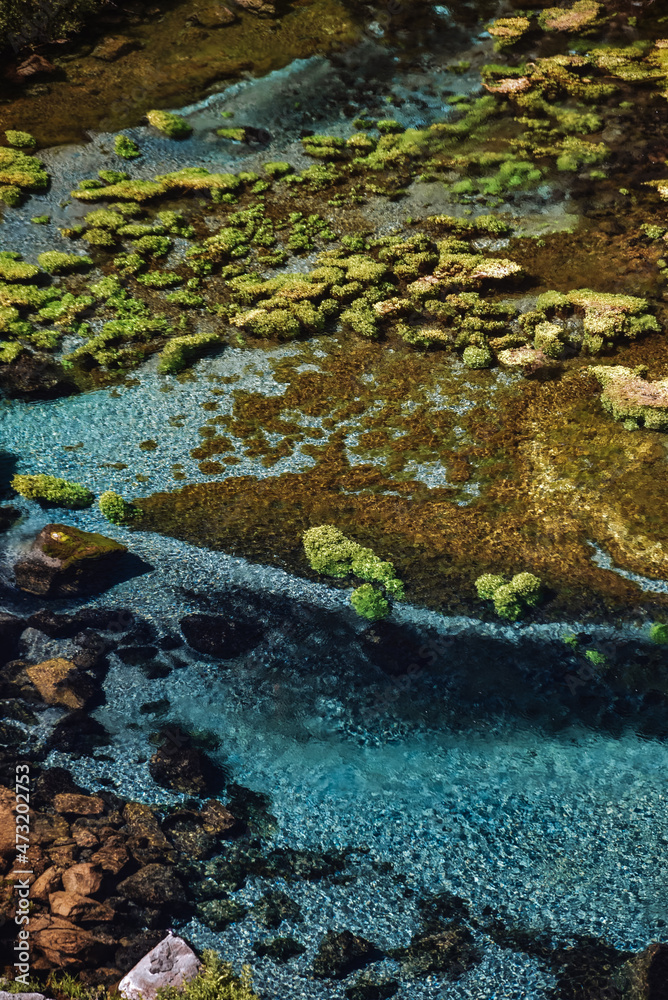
(342, 953)
(280, 949)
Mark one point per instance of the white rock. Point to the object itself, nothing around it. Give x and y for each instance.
(171, 963)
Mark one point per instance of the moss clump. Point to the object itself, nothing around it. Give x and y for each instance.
(508, 30)
(181, 350)
(277, 168)
(126, 148)
(331, 553)
(659, 633)
(235, 134)
(369, 603)
(628, 396)
(214, 981)
(13, 267)
(116, 509)
(20, 140)
(19, 173)
(63, 263)
(361, 318)
(477, 357)
(510, 599)
(41, 220)
(171, 125)
(52, 490)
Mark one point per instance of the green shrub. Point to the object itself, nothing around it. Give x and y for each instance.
(215, 981)
(477, 357)
(487, 585)
(51, 489)
(116, 509)
(369, 602)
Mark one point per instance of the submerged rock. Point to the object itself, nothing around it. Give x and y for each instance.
(220, 637)
(65, 562)
(280, 949)
(342, 952)
(274, 907)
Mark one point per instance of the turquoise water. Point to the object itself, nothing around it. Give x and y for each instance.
(483, 777)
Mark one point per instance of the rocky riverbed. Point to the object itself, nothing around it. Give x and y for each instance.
(396, 277)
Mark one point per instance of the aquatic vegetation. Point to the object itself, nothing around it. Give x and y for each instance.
(116, 509)
(53, 490)
(510, 598)
(508, 30)
(14, 268)
(582, 14)
(659, 633)
(20, 173)
(181, 350)
(477, 357)
(369, 602)
(330, 552)
(126, 147)
(174, 126)
(216, 980)
(56, 262)
(20, 140)
(629, 397)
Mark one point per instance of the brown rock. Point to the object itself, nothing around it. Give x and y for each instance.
(113, 47)
(215, 15)
(84, 837)
(261, 7)
(216, 818)
(59, 683)
(63, 856)
(78, 805)
(63, 944)
(112, 857)
(153, 885)
(48, 829)
(147, 843)
(74, 906)
(33, 66)
(47, 883)
(644, 977)
(84, 878)
(65, 561)
(7, 823)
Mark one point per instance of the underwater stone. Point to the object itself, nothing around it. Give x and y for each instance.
(342, 953)
(220, 637)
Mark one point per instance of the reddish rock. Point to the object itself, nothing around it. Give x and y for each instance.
(74, 906)
(34, 65)
(215, 15)
(84, 837)
(147, 843)
(84, 878)
(7, 824)
(112, 857)
(78, 805)
(48, 882)
(64, 855)
(261, 7)
(63, 944)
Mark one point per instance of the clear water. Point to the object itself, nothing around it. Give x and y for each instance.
(505, 801)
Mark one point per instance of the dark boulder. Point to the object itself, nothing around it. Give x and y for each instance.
(449, 950)
(182, 767)
(155, 886)
(10, 631)
(221, 637)
(280, 949)
(274, 907)
(340, 953)
(35, 376)
(366, 988)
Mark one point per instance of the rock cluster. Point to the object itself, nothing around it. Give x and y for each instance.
(109, 876)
